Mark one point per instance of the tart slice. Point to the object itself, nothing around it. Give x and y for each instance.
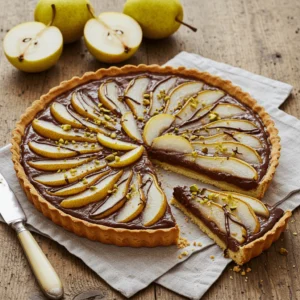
(241, 225)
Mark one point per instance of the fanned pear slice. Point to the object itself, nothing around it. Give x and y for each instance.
(134, 95)
(181, 92)
(172, 143)
(62, 178)
(157, 100)
(54, 132)
(94, 194)
(114, 143)
(156, 204)
(117, 199)
(109, 96)
(128, 158)
(83, 148)
(243, 125)
(227, 149)
(237, 207)
(156, 126)
(135, 202)
(78, 187)
(61, 115)
(129, 125)
(228, 165)
(54, 165)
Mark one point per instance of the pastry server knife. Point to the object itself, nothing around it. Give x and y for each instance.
(14, 216)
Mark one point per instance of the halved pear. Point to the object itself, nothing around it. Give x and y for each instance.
(227, 149)
(134, 95)
(54, 132)
(172, 143)
(135, 203)
(228, 165)
(78, 187)
(129, 125)
(128, 158)
(114, 143)
(156, 204)
(94, 194)
(156, 126)
(237, 207)
(181, 92)
(109, 96)
(243, 125)
(62, 178)
(161, 90)
(116, 200)
(54, 165)
(61, 115)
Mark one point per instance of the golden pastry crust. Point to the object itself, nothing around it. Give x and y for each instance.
(117, 236)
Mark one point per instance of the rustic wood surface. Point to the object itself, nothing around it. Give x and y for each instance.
(262, 36)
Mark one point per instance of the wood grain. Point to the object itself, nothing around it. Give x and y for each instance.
(262, 36)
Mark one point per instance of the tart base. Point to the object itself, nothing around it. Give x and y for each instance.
(248, 251)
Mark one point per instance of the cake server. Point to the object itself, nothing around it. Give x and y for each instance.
(13, 215)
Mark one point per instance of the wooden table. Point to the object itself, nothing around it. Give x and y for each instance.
(262, 36)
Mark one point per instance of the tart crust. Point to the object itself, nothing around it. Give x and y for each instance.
(120, 236)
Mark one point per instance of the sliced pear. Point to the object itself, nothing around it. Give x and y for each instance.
(135, 203)
(156, 204)
(113, 143)
(162, 89)
(54, 165)
(62, 178)
(128, 158)
(83, 148)
(54, 132)
(96, 192)
(248, 139)
(237, 207)
(109, 96)
(181, 92)
(129, 125)
(227, 149)
(116, 200)
(228, 165)
(172, 143)
(243, 125)
(78, 187)
(156, 126)
(134, 95)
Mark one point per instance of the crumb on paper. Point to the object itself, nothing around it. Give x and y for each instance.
(231, 277)
(195, 244)
(283, 251)
(295, 233)
(236, 269)
(243, 273)
(212, 257)
(199, 244)
(182, 243)
(184, 253)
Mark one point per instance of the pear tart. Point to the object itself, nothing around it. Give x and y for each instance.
(241, 225)
(83, 151)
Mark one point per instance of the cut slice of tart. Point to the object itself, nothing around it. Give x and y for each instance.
(242, 227)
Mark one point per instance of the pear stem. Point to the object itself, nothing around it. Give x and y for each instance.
(53, 15)
(110, 31)
(187, 25)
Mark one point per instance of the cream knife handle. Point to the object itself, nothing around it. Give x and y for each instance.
(40, 265)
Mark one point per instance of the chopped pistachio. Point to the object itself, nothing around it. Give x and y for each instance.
(100, 104)
(93, 188)
(113, 135)
(146, 102)
(97, 162)
(61, 141)
(146, 96)
(106, 117)
(194, 188)
(193, 137)
(66, 127)
(166, 98)
(213, 116)
(110, 157)
(73, 142)
(140, 119)
(117, 158)
(194, 154)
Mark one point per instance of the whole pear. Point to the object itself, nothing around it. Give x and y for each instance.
(158, 18)
(71, 16)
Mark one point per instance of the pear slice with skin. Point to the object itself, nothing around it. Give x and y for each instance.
(109, 96)
(237, 207)
(94, 194)
(54, 132)
(155, 126)
(172, 143)
(116, 200)
(114, 143)
(134, 95)
(157, 100)
(184, 90)
(128, 158)
(78, 187)
(156, 204)
(62, 178)
(129, 125)
(83, 148)
(135, 202)
(242, 125)
(54, 165)
(228, 165)
(228, 149)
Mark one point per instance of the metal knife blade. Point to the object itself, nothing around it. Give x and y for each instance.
(10, 208)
